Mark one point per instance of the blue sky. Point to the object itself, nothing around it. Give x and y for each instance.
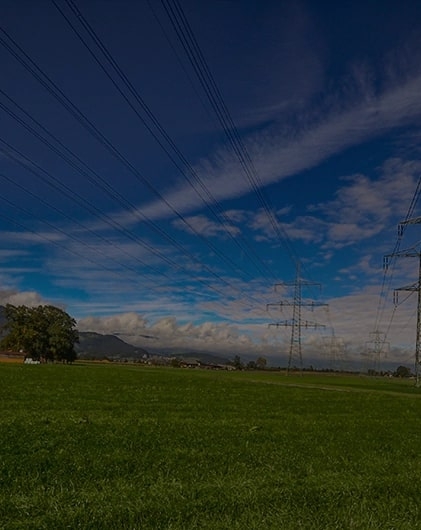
(128, 205)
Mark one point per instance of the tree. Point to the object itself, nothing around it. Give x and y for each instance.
(261, 363)
(44, 331)
(402, 371)
(237, 363)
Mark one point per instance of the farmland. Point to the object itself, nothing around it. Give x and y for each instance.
(115, 447)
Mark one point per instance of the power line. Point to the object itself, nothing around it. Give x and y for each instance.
(161, 136)
(81, 168)
(49, 179)
(190, 45)
(386, 286)
(64, 233)
(46, 177)
(84, 228)
(57, 93)
(80, 242)
(83, 120)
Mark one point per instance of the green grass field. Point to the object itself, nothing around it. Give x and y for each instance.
(128, 447)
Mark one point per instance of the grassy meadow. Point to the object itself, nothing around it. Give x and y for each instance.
(131, 447)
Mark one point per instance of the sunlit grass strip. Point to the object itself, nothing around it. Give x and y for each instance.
(105, 447)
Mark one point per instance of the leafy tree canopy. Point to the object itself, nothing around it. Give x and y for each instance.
(402, 371)
(261, 363)
(237, 363)
(44, 331)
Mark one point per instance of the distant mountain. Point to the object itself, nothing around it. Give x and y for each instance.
(96, 346)
(204, 357)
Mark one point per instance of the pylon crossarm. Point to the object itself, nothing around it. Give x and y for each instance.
(283, 284)
(412, 287)
(313, 304)
(414, 221)
(309, 324)
(402, 225)
(292, 322)
(283, 323)
(412, 252)
(305, 283)
(278, 305)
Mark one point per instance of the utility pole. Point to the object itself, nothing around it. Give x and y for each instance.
(414, 287)
(376, 347)
(296, 323)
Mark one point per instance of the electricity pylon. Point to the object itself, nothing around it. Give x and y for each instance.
(296, 323)
(376, 347)
(335, 350)
(412, 252)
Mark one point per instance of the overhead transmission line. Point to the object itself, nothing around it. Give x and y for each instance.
(64, 233)
(50, 180)
(180, 62)
(390, 264)
(152, 285)
(84, 228)
(161, 136)
(196, 58)
(52, 88)
(82, 169)
(82, 244)
(416, 287)
(22, 57)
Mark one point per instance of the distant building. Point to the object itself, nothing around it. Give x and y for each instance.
(12, 356)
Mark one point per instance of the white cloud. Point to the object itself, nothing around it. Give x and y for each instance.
(277, 157)
(361, 209)
(36, 237)
(6, 254)
(367, 265)
(28, 298)
(200, 224)
(127, 323)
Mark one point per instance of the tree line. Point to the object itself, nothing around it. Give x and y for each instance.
(259, 364)
(44, 332)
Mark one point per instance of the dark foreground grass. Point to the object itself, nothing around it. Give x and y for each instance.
(123, 447)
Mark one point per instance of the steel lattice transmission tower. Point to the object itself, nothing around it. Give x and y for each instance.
(335, 350)
(376, 347)
(412, 252)
(296, 323)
